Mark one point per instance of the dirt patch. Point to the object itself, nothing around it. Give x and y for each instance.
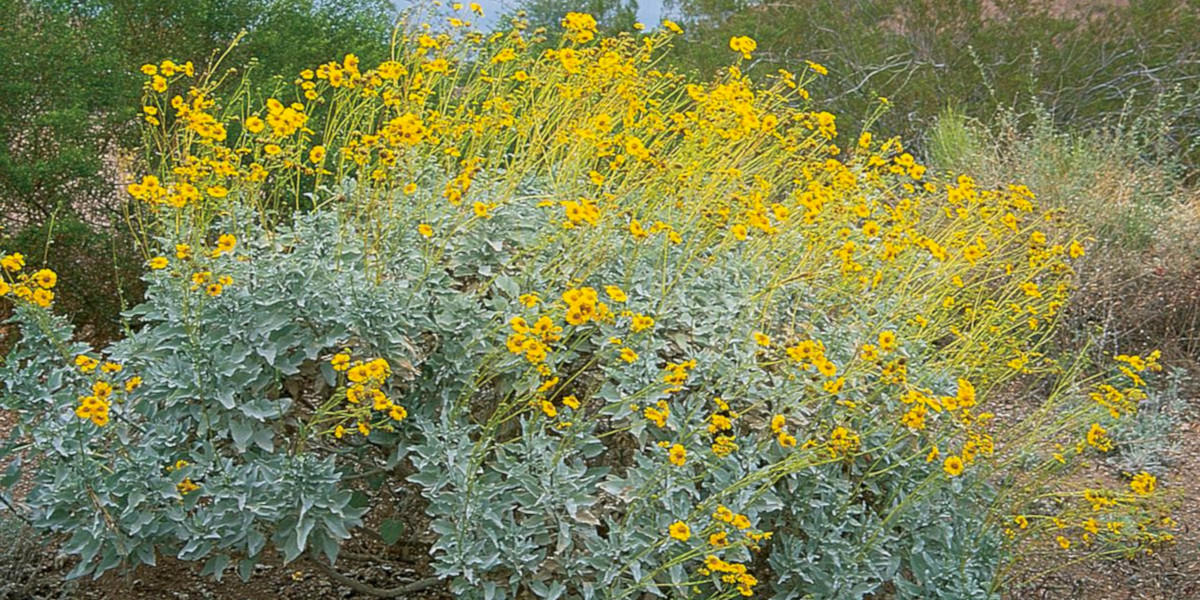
(1168, 573)
(173, 579)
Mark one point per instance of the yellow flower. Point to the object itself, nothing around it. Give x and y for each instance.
(581, 27)
(379, 369)
(887, 341)
(641, 323)
(762, 339)
(615, 293)
(340, 361)
(86, 363)
(1143, 484)
(657, 415)
(397, 412)
(225, 243)
(358, 373)
(158, 263)
(316, 154)
(723, 514)
(680, 531)
(1075, 249)
(183, 251)
(672, 26)
(743, 44)
(834, 386)
(953, 466)
(45, 278)
(635, 148)
(826, 367)
(425, 230)
(628, 355)
(777, 423)
(255, 124)
(1097, 438)
(102, 390)
(677, 455)
(392, 70)
(214, 289)
(218, 191)
(13, 262)
(42, 297)
(548, 384)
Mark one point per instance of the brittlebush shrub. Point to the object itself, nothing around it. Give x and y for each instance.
(619, 333)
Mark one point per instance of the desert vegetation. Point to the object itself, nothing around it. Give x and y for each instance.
(425, 305)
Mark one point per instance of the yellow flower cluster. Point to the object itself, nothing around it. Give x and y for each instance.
(95, 405)
(811, 353)
(583, 305)
(285, 120)
(365, 397)
(676, 374)
(658, 413)
(186, 486)
(733, 573)
(779, 428)
(35, 288)
(533, 341)
(1106, 518)
(1143, 484)
(581, 27)
(743, 45)
(842, 442)
(203, 277)
(720, 428)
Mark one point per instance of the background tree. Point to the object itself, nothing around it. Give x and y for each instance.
(1088, 63)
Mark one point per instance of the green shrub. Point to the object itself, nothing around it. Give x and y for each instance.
(617, 335)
